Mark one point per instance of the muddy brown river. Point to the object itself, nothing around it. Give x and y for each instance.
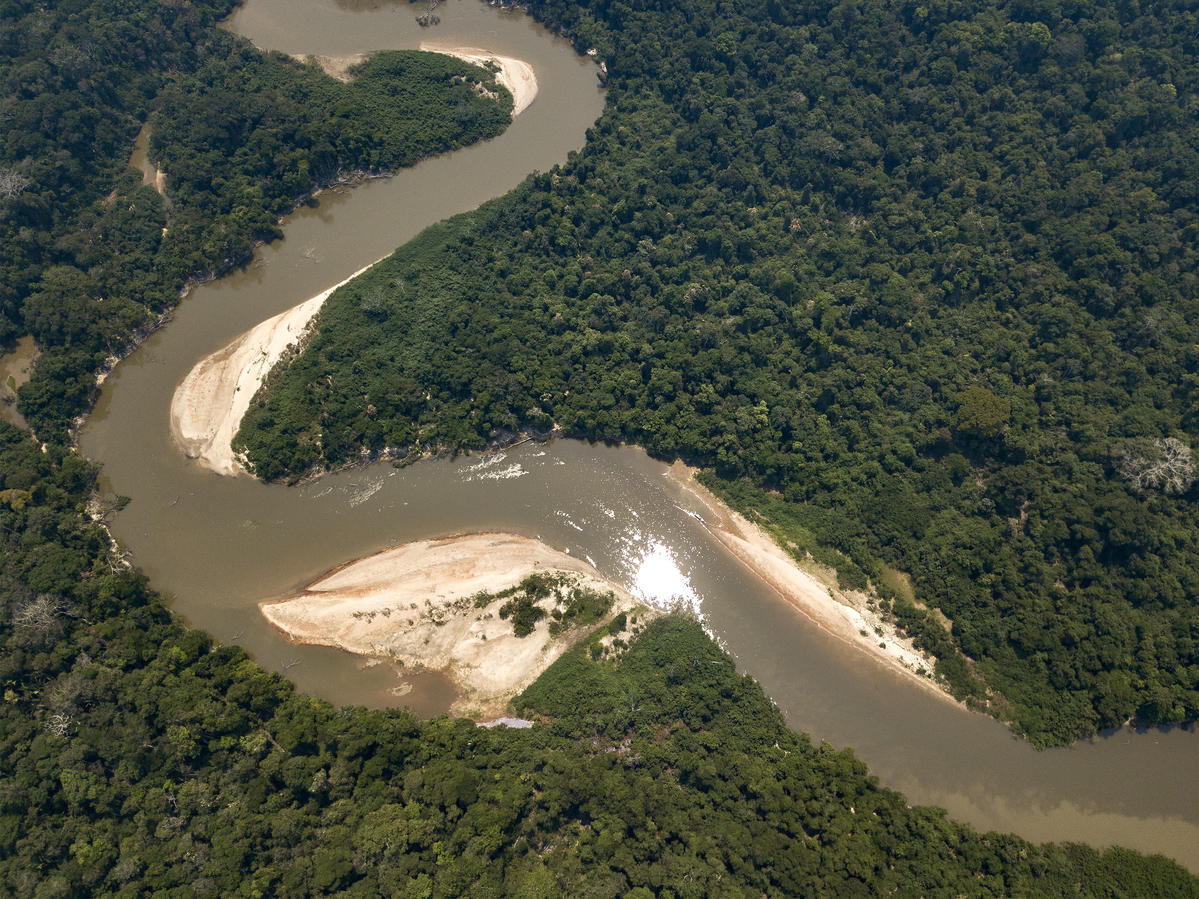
(217, 546)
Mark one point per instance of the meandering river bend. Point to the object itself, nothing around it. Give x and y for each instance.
(217, 546)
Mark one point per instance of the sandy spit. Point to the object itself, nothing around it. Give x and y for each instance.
(810, 589)
(515, 74)
(209, 404)
(414, 604)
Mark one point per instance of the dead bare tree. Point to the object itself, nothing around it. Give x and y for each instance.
(12, 183)
(1164, 463)
(35, 621)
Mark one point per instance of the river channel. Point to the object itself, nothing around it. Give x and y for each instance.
(217, 546)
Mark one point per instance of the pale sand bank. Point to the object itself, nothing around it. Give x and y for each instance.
(209, 404)
(812, 590)
(415, 604)
(515, 74)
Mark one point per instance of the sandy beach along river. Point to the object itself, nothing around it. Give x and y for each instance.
(210, 402)
(515, 74)
(419, 604)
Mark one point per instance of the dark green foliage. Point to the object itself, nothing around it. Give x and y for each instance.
(524, 614)
(581, 608)
(85, 262)
(139, 758)
(981, 413)
(926, 271)
(571, 605)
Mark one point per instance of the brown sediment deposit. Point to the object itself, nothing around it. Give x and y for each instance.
(848, 615)
(209, 404)
(419, 604)
(15, 369)
(139, 158)
(515, 74)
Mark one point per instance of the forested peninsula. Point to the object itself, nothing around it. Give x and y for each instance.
(140, 757)
(89, 256)
(917, 282)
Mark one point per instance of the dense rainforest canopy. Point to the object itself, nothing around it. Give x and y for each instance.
(928, 270)
(141, 758)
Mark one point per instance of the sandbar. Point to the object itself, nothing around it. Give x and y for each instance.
(845, 614)
(415, 604)
(209, 404)
(515, 74)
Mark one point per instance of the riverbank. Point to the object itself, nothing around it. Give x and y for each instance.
(416, 604)
(515, 74)
(209, 404)
(848, 615)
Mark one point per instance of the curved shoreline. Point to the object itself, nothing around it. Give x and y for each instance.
(518, 76)
(515, 74)
(208, 405)
(845, 615)
(416, 604)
